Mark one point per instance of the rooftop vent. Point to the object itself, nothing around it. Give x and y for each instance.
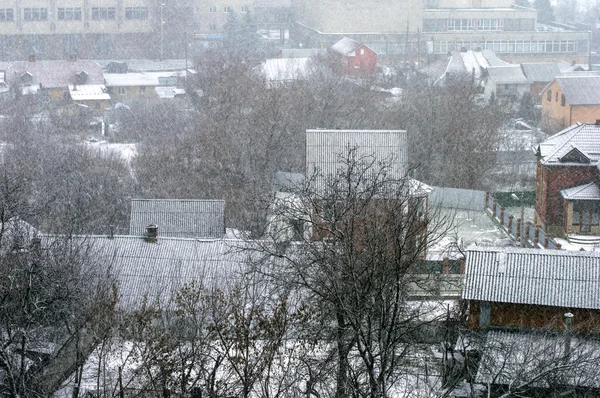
(152, 233)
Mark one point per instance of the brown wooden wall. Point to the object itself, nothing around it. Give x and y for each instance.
(536, 316)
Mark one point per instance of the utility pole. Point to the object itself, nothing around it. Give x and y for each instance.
(162, 30)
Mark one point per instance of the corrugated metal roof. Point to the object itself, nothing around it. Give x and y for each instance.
(53, 74)
(345, 46)
(530, 276)
(515, 357)
(541, 71)
(509, 74)
(580, 90)
(583, 137)
(582, 192)
(326, 149)
(158, 270)
(179, 217)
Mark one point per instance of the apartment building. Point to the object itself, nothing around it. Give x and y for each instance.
(55, 29)
(418, 28)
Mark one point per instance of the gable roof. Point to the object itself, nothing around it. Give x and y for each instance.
(179, 217)
(589, 191)
(54, 74)
(583, 137)
(580, 90)
(531, 276)
(157, 271)
(345, 46)
(541, 71)
(508, 74)
(326, 149)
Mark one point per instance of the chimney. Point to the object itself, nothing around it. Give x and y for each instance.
(152, 233)
(111, 231)
(568, 329)
(32, 58)
(597, 122)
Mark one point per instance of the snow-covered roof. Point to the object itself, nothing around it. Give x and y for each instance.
(142, 79)
(541, 71)
(168, 92)
(588, 191)
(493, 59)
(285, 69)
(345, 46)
(55, 74)
(575, 146)
(508, 74)
(580, 90)
(555, 278)
(149, 65)
(88, 92)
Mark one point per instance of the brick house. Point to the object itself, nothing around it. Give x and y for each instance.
(531, 288)
(353, 58)
(567, 193)
(570, 99)
(534, 319)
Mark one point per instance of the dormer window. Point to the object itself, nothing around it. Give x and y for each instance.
(81, 77)
(26, 78)
(575, 156)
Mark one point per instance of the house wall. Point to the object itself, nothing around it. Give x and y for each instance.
(536, 89)
(535, 316)
(130, 93)
(556, 116)
(361, 62)
(549, 208)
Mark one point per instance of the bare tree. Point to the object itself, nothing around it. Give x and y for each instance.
(349, 249)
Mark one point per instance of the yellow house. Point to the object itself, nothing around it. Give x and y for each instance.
(570, 99)
(141, 85)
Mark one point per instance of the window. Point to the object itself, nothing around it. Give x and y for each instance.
(460, 24)
(136, 13)
(549, 96)
(213, 9)
(35, 14)
(362, 51)
(6, 15)
(490, 24)
(556, 97)
(244, 9)
(69, 14)
(103, 13)
(227, 9)
(121, 90)
(213, 26)
(562, 100)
